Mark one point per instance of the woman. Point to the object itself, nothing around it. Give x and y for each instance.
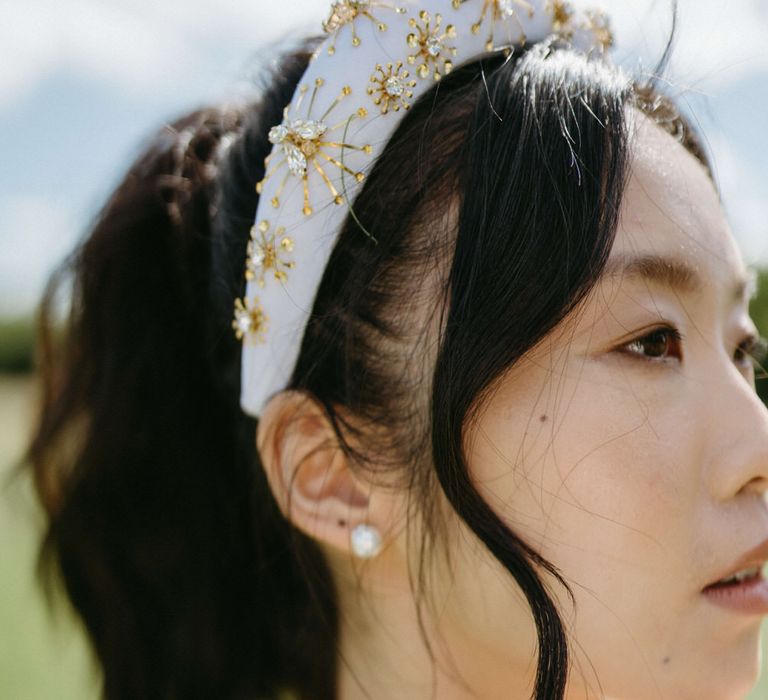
(510, 446)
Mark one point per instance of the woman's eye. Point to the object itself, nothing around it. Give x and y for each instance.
(752, 351)
(659, 344)
(665, 343)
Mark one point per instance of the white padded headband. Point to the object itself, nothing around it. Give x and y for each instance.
(378, 58)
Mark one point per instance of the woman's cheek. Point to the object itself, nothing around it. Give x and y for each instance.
(593, 437)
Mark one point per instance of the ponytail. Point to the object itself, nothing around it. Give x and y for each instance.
(189, 580)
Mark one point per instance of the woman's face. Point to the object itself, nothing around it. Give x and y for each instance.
(633, 461)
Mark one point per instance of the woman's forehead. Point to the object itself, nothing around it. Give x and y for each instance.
(671, 209)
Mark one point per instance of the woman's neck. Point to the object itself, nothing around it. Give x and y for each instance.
(385, 653)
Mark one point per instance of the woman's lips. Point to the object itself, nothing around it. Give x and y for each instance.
(749, 596)
(757, 556)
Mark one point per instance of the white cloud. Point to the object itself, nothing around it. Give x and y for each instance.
(36, 232)
(149, 46)
(89, 39)
(135, 46)
(716, 43)
(745, 198)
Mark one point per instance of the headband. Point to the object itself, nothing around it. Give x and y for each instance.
(378, 57)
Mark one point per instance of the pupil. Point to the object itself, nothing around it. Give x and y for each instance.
(656, 344)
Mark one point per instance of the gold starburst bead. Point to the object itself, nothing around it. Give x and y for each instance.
(599, 25)
(250, 321)
(390, 87)
(562, 18)
(265, 254)
(431, 50)
(496, 10)
(347, 11)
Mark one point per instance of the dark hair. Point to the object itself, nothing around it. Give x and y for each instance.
(493, 210)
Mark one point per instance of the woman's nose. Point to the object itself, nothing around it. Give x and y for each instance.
(740, 436)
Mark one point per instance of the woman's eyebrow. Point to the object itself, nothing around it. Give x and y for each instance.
(677, 274)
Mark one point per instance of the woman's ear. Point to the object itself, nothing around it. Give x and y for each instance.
(309, 473)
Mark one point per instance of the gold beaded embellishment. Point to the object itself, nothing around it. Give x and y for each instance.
(347, 11)
(390, 87)
(430, 44)
(597, 22)
(494, 10)
(250, 320)
(265, 253)
(304, 142)
(562, 18)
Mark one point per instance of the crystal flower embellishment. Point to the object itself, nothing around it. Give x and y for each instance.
(305, 145)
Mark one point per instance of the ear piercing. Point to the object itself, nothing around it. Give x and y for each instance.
(365, 540)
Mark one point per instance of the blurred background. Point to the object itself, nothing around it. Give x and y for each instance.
(84, 82)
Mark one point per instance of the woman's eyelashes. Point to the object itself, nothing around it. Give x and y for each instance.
(666, 343)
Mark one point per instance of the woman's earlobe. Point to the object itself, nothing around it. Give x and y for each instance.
(309, 472)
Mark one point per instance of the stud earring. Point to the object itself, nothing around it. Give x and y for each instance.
(365, 541)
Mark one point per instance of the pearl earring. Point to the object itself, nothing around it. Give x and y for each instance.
(365, 541)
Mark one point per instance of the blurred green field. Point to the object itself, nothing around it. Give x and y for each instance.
(44, 656)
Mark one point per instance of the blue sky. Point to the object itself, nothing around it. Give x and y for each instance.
(84, 81)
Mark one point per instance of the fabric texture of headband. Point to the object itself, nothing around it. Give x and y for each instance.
(378, 57)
